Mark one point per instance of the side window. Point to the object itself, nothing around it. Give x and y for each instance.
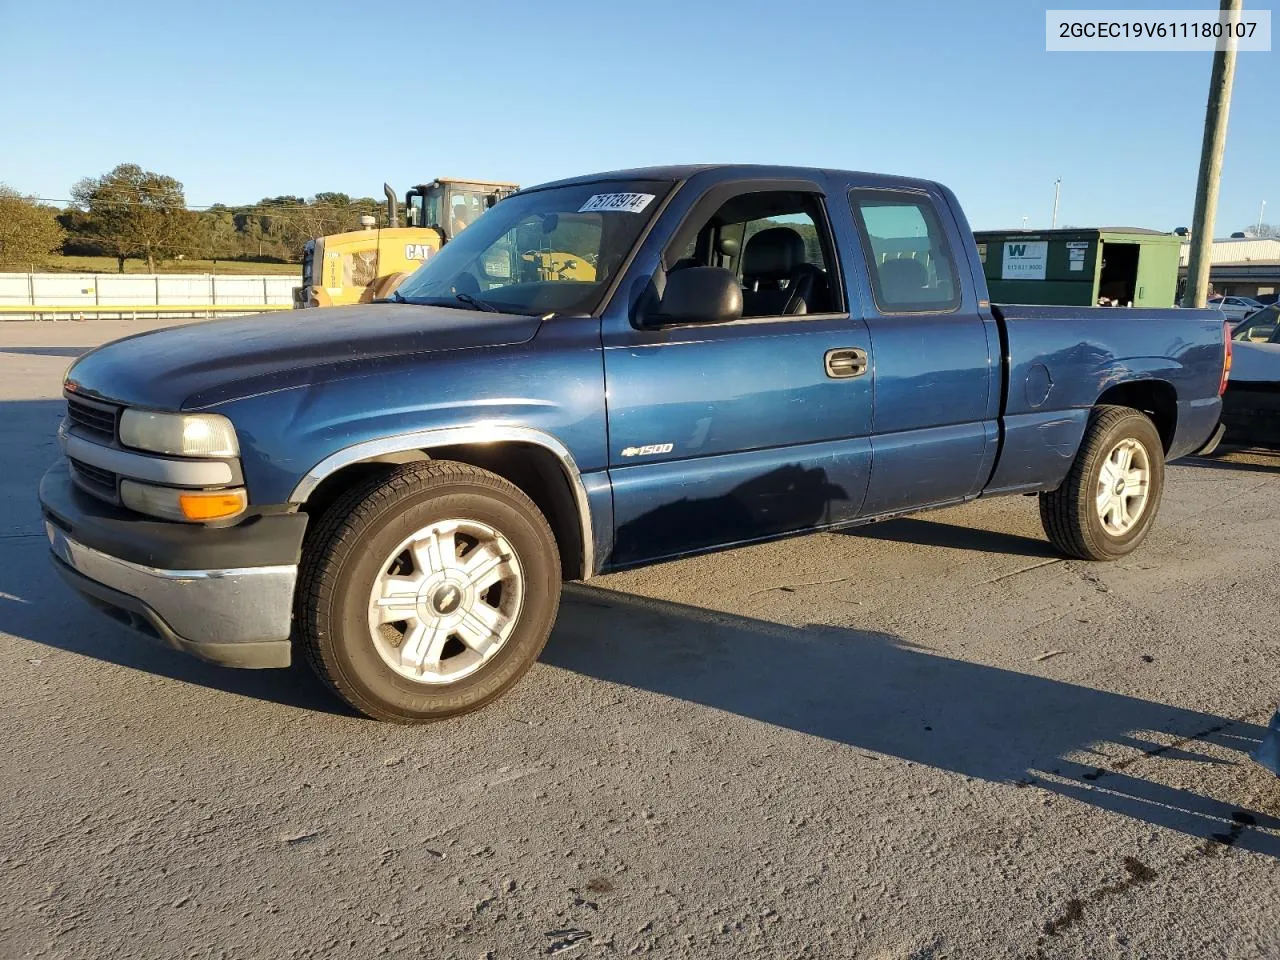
(433, 212)
(776, 243)
(911, 267)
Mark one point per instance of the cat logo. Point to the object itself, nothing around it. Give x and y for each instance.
(417, 251)
(648, 450)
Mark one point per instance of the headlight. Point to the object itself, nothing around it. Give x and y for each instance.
(192, 506)
(179, 434)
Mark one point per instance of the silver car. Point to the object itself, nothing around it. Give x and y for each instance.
(1235, 308)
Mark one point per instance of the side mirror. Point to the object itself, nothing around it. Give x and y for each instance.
(700, 295)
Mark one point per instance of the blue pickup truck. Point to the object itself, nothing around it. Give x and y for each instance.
(600, 373)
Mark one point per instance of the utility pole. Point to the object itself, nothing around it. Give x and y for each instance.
(1057, 192)
(1210, 175)
(1262, 213)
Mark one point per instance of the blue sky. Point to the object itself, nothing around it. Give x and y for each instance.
(244, 100)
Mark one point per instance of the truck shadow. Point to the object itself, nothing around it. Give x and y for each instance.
(36, 605)
(1220, 461)
(934, 533)
(867, 690)
(874, 692)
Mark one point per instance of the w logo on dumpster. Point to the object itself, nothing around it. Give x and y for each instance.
(1025, 260)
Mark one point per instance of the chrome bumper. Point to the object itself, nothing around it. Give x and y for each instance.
(238, 617)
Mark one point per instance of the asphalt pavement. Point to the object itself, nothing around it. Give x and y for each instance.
(927, 738)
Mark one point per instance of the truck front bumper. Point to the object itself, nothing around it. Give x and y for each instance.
(237, 616)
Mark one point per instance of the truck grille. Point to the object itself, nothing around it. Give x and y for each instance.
(98, 419)
(101, 483)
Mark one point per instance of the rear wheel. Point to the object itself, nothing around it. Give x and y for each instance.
(428, 592)
(1110, 497)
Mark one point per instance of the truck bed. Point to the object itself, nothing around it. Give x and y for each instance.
(1059, 360)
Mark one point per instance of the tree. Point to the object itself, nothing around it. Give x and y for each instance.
(1270, 231)
(29, 231)
(80, 239)
(215, 234)
(137, 213)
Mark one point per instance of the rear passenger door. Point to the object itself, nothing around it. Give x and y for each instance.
(934, 430)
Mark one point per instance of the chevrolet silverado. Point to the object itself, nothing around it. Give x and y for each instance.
(397, 490)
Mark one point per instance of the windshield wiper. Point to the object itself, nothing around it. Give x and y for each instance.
(478, 304)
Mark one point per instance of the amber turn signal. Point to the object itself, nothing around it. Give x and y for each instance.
(200, 505)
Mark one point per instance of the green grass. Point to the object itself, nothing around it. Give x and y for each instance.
(109, 265)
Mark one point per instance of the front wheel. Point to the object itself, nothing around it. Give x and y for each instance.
(1107, 503)
(427, 592)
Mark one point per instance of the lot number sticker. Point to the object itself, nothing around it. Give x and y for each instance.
(616, 203)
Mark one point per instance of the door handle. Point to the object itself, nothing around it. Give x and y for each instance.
(845, 362)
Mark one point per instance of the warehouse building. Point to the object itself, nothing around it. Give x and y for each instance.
(1240, 266)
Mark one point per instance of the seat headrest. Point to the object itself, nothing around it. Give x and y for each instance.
(903, 279)
(772, 254)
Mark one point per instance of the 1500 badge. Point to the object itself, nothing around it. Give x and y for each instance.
(647, 450)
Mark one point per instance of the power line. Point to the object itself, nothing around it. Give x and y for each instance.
(251, 209)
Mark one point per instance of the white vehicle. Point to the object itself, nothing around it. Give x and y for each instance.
(1234, 308)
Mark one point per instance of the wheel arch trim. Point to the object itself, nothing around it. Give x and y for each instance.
(426, 440)
(1120, 392)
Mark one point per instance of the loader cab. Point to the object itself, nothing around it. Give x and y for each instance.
(450, 206)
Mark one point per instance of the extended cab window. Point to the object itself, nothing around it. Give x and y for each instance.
(775, 242)
(911, 267)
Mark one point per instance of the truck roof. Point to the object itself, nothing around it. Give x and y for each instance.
(736, 171)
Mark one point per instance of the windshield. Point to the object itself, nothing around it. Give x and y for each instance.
(547, 251)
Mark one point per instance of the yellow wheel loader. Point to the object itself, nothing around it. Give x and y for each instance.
(367, 264)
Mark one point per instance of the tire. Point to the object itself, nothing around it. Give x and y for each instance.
(354, 549)
(381, 289)
(1074, 517)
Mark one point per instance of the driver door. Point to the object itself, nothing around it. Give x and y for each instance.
(732, 432)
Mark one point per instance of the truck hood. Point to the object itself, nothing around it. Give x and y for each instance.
(202, 364)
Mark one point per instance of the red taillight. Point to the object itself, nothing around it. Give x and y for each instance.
(1226, 359)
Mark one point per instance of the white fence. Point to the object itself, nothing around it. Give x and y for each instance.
(26, 296)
